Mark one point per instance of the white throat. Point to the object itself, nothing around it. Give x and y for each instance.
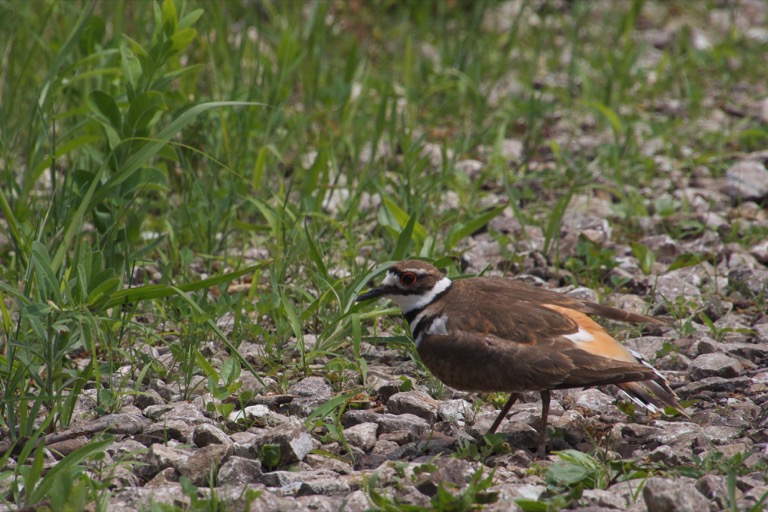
(409, 303)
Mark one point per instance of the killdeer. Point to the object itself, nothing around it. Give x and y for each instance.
(495, 334)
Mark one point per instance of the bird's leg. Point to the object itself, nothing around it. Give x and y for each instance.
(507, 406)
(542, 450)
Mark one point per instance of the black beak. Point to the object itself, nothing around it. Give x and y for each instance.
(373, 294)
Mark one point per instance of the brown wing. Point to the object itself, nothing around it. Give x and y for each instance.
(525, 346)
(509, 290)
(477, 362)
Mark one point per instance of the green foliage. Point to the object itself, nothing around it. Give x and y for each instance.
(644, 256)
(492, 444)
(66, 486)
(474, 496)
(592, 261)
(270, 456)
(575, 471)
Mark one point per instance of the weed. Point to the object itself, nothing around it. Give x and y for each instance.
(492, 444)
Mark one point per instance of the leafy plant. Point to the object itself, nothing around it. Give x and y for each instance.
(270, 456)
(492, 444)
(592, 261)
(472, 497)
(446, 499)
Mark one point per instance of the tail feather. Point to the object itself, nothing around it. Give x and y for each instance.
(620, 315)
(654, 394)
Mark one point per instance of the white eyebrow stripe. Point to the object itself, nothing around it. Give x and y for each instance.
(417, 271)
(409, 303)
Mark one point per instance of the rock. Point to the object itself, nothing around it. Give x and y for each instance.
(239, 470)
(325, 486)
(260, 415)
(205, 434)
(710, 385)
(664, 247)
(398, 436)
(453, 472)
(746, 181)
(292, 438)
(456, 411)
(126, 449)
(164, 477)
(184, 412)
(510, 492)
(172, 429)
(715, 488)
(754, 493)
(670, 287)
(573, 426)
(117, 424)
(315, 387)
(591, 401)
(603, 498)
(751, 281)
(666, 495)
(317, 461)
(142, 497)
(310, 392)
(520, 435)
(649, 346)
(204, 462)
(413, 402)
(362, 435)
(716, 364)
(147, 398)
(704, 345)
(669, 456)
(750, 353)
(162, 389)
(583, 293)
(384, 447)
(159, 457)
(430, 447)
(358, 501)
(629, 438)
(628, 302)
(678, 434)
(67, 446)
(286, 480)
(242, 443)
(388, 422)
(720, 435)
(407, 493)
(760, 252)
(673, 362)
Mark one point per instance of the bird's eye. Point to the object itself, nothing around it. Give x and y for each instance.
(408, 278)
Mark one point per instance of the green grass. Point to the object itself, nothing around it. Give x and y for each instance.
(152, 153)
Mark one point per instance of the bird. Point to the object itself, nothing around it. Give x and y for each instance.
(494, 334)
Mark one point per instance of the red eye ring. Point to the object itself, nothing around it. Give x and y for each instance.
(408, 279)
